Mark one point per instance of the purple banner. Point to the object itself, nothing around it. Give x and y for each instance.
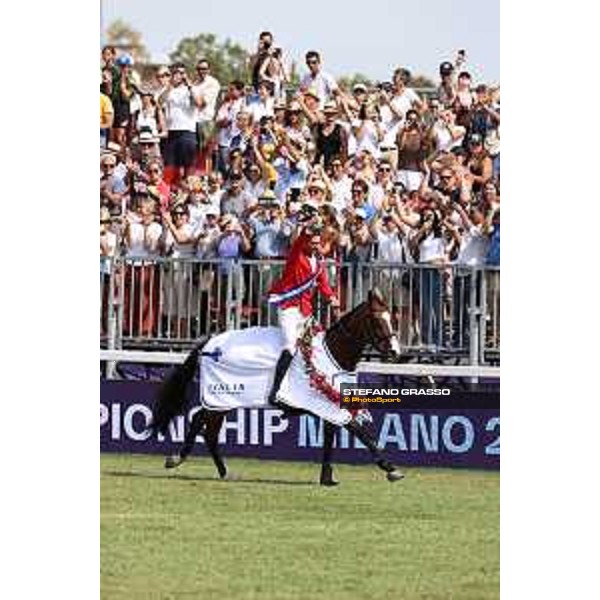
(429, 437)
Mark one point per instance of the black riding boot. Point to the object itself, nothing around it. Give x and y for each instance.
(368, 439)
(283, 363)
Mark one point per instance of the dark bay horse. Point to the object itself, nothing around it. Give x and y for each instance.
(368, 324)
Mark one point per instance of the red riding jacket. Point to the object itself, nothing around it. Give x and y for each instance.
(299, 276)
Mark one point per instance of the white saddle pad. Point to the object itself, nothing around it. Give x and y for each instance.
(239, 374)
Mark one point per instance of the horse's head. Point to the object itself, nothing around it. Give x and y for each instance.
(379, 326)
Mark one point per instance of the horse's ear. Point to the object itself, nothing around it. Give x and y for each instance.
(376, 298)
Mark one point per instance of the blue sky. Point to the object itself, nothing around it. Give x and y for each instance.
(371, 37)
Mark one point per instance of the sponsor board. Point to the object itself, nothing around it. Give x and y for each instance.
(425, 436)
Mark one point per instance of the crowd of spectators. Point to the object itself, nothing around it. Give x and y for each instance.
(196, 167)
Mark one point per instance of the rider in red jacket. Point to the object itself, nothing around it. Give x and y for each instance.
(293, 292)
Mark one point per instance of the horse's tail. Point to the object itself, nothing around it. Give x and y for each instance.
(172, 398)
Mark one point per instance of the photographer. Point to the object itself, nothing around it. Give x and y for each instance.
(444, 134)
(262, 55)
(429, 249)
(266, 220)
(367, 130)
(273, 71)
(231, 244)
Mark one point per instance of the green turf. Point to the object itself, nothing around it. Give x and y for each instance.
(274, 534)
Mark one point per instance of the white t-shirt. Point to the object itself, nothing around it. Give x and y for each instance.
(431, 248)
(322, 84)
(260, 109)
(391, 248)
(209, 89)
(137, 248)
(198, 213)
(341, 193)
(401, 103)
(255, 190)
(443, 137)
(148, 121)
(473, 249)
(367, 139)
(181, 110)
(389, 124)
(229, 111)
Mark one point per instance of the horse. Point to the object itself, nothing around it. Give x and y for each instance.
(345, 341)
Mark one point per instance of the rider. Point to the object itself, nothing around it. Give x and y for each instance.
(293, 292)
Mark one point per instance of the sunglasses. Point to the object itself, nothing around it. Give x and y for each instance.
(154, 171)
(104, 221)
(385, 169)
(179, 214)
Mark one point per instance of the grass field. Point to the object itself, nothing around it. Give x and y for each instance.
(274, 534)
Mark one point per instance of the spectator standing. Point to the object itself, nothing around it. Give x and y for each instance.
(108, 250)
(225, 122)
(264, 105)
(464, 99)
(150, 117)
(431, 252)
(112, 189)
(142, 288)
(179, 244)
(412, 149)
(206, 92)
(274, 72)
(317, 80)
(331, 140)
(231, 244)
(180, 106)
(263, 55)
(107, 116)
(479, 163)
(446, 91)
(235, 201)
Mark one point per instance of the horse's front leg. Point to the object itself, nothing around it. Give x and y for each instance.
(362, 432)
(195, 428)
(326, 467)
(214, 421)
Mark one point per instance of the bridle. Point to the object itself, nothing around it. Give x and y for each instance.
(371, 328)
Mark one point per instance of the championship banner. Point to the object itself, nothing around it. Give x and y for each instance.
(415, 436)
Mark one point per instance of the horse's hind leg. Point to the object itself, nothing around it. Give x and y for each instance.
(368, 439)
(326, 467)
(195, 428)
(214, 421)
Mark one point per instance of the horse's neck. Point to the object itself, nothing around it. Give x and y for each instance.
(345, 342)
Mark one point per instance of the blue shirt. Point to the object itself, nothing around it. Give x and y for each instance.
(268, 242)
(493, 255)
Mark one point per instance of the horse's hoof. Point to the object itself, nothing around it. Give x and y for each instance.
(172, 461)
(394, 475)
(329, 482)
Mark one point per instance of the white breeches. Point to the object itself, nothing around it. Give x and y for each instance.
(291, 321)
